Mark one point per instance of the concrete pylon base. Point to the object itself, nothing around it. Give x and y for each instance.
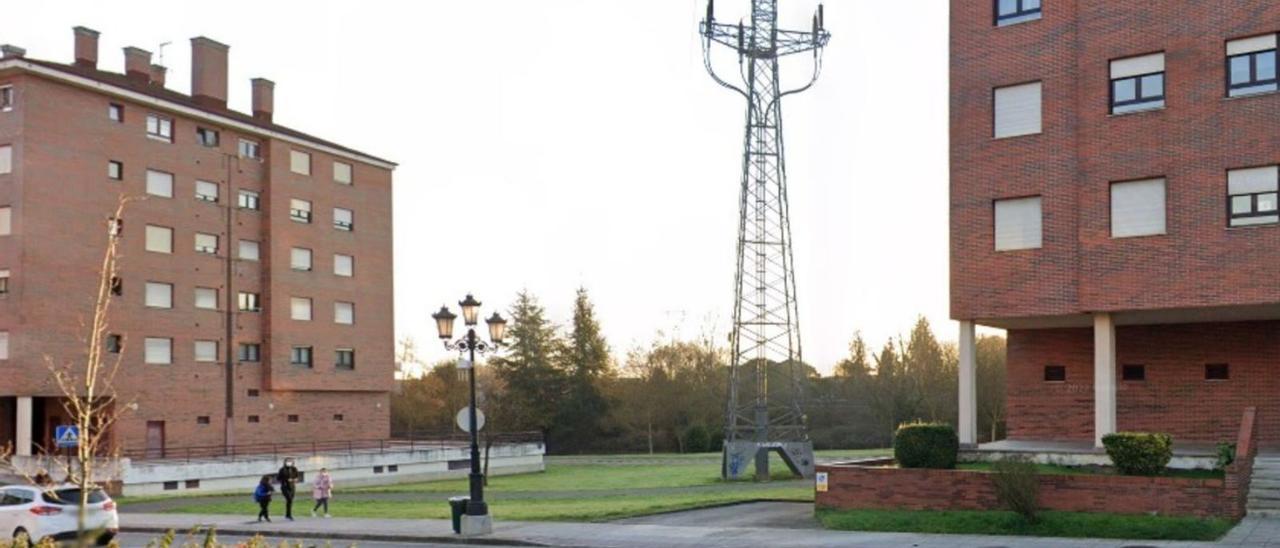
(476, 525)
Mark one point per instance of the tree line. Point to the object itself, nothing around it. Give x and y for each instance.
(669, 395)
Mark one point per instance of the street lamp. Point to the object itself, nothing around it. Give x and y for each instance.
(471, 344)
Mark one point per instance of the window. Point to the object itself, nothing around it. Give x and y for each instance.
(300, 355)
(1018, 223)
(159, 295)
(344, 313)
(160, 128)
(7, 100)
(393, 468)
(299, 162)
(115, 170)
(300, 308)
(4, 282)
(114, 343)
(1251, 65)
(249, 200)
(293, 418)
(249, 250)
(206, 351)
(6, 159)
(170, 486)
(159, 183)
(1017, 110)
(1251, 194)
(300, 210)
(300, 258)
(1009, 12)
(339, 417)
(250, 302)
(206, 298)
(1217, 372)
(159, 350)
(1137, 208)
(343, 219)
(117, 286)
(115, 112)
(253, 392)
(250, 352)
(1055, 373)
(202, 419)
(250, 149)
(253, 419)
(6, 220)
(1137, 83)
(4, 345)
(206, 191)
(378, 469)
(344, 265)
(194, 484)
(344, 358)
(206, 243)
(1134, 373)
(115, 227)
(342, 173)
(207, 137)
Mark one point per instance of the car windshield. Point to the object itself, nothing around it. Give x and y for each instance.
(72, 496)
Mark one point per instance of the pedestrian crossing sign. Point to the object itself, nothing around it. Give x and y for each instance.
(67, 436)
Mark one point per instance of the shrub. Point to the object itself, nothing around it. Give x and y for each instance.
(1017, 487)
(1226, 455)
(926, 445)
(697, 439)
(1139, 453)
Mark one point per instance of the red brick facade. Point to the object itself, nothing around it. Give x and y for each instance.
(61, 196)
(1199, 281)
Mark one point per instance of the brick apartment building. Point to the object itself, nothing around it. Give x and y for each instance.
(254, 298)
(1114, 207)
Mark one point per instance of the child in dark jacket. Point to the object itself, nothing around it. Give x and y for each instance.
(262, 495)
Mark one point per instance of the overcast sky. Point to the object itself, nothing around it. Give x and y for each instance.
(546, 145)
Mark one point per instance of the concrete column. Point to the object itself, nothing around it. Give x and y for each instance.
(22, 430)
(1104, 377)
(968, 417)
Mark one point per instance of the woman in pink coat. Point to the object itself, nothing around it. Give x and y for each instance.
(321, 490)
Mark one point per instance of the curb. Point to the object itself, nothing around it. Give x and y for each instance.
(371, 537)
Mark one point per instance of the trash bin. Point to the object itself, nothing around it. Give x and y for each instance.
(457, 507)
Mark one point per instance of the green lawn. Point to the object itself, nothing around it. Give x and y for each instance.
(1052, 524)
(1073, 470)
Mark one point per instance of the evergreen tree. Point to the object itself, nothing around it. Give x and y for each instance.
(856, 365)
(528, 370)
(581, 414)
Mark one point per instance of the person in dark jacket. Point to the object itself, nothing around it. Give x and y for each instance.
(262, 496)
(288, 477)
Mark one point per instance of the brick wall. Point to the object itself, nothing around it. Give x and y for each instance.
(1082, 149)
(1174, 398)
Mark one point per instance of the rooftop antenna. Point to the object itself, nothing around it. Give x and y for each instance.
(160, 51)
(766, 329)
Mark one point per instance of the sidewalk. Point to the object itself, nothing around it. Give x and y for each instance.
(1250, 532)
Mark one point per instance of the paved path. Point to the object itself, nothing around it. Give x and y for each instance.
(1252, 532)
(774, 515)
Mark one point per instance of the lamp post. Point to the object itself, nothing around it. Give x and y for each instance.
(471, 344)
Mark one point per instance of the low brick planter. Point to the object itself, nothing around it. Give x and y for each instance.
(876, 484)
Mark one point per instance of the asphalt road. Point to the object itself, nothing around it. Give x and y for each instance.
(140, 540)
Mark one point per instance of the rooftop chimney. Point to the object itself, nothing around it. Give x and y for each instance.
(209, 72)
(157, 74)
(10, 51)
(264, 98)
(137, 64)
(86, 47)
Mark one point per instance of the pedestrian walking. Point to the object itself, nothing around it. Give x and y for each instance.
(262, 496)
(321, 491)
(288, 477)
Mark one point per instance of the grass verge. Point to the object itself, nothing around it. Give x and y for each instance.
(1051, 524)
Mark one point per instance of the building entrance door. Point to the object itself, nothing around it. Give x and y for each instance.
(155, 439)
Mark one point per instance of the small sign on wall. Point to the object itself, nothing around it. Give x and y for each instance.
(820, 482)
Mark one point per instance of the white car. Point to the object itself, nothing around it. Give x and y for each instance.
(40, 512)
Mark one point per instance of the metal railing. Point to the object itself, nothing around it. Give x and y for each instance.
(406, 441)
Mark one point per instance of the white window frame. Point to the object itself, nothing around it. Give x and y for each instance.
(159, 127)
(1121, 227)
(337, 364)
(118, 166)
(207, 191)
(300, 162)
(347, 225)
(300, 309)
(256, 255)
(205, 247)
(6, 220)
(1019, 223)
(115, 112)
(1259, 189)
(1007, 104)
(8, 98)
(4, 345)
(250, 149)
(157, 350)
(349, 271)
(300, 259)
(206, 298)
(249, 199)
(310, 352)
(6, 159)
(300, 210)
(4, 280)
(159, 183)
(342, 172)
(201, 351)
(256, 299)
(153, 233)
(344, 311)
(158, 295)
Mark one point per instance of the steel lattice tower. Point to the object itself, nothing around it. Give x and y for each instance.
(765, 318)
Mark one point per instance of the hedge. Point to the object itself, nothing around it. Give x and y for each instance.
(926, 445)
(1139, 453)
